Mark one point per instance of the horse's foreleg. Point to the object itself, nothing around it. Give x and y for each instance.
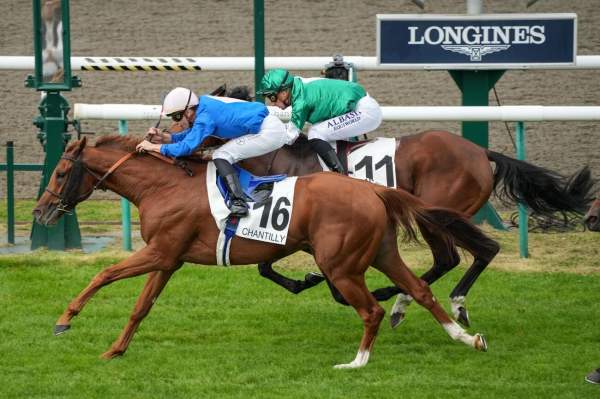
(356, 294)
(154, 286)
(294, 286)
(143, 261)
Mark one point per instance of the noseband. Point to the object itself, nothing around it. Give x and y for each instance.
(66, 200)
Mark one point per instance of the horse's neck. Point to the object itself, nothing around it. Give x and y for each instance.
(135, 178)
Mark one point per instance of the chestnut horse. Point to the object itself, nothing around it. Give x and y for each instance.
(444, 170)
(592, 217)
(344, 236)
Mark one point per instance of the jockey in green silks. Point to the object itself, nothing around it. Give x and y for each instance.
(337, 109)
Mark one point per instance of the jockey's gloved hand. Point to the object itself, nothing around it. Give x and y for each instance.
(158, 136)
(292, 133)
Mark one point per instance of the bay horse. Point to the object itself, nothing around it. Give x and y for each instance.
(592, 216)
(344, 236)
(445, 170)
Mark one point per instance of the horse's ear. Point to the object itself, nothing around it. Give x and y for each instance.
(81, 145)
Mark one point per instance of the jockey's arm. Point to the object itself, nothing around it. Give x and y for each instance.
(177, 137)
(300, 111)
(186, 142)
(158, 136)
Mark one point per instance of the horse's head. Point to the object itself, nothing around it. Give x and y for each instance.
(592, 217)
(68, 185)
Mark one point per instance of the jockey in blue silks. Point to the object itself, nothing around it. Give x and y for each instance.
(252, 131)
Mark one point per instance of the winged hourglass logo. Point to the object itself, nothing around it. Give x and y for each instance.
(476, 52)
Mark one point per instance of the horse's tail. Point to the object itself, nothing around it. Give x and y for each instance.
(543, 191)
(450, 226)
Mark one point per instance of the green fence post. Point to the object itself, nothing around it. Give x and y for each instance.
(10, 191)
(523, 222)
(259, 45)
(475, 87)
(53, 78)
(125, 208)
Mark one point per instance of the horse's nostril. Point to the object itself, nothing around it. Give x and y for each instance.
(37, 213)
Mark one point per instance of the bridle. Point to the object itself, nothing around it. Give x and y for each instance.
(66, 201)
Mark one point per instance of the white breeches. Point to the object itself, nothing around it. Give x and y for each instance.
(272, 135)
(364, 119)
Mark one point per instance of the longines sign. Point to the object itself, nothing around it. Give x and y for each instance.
(488, 41)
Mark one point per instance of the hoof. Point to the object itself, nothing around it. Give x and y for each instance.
(396, 319)
(108, 355)
(361, 360)
(348, 366)
(399, 309)
(61, 328)
(480, 343)
(593, 377)
(313, 279)
(463, 316)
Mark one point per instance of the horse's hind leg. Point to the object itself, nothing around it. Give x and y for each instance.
(459, 293)
(389, 262)
(141, 262)
(154, 286)
(483, 249)
(354, 290)
(442, 264)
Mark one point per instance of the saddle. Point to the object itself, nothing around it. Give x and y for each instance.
(256, 188)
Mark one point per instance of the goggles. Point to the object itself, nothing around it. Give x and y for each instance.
(178, 115)
(273, 95)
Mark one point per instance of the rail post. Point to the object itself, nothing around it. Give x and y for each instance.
(10, 191)
(523, 222)
(259, 45)
(475, 87)
(125, 208)
(52, 75)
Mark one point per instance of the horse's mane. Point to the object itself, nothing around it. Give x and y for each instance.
(126, 143)
(300, 145)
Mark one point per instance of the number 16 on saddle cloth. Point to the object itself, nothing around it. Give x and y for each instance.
(268, 220)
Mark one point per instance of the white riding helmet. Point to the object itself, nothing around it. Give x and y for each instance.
(179, 99)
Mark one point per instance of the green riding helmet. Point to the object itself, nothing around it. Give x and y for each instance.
(275, 81)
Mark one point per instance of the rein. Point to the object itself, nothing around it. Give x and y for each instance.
(65, 203)
(171, 161)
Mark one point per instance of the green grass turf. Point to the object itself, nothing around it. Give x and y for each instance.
(226, 332)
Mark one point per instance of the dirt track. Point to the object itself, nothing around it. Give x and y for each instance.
(299, 28)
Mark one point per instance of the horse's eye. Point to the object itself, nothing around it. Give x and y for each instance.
(60, 175)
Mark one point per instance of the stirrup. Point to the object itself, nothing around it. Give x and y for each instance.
(333, 162)
(338, 169)
(238, 208)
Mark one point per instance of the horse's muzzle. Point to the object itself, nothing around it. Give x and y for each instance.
(47, 215)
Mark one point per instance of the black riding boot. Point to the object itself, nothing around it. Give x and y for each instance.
(328, 155)
(237, 204)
